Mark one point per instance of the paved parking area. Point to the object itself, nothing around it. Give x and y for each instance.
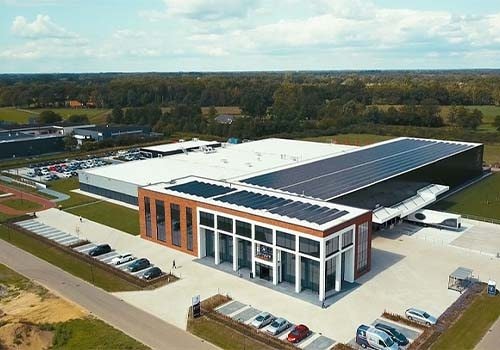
(49, 232)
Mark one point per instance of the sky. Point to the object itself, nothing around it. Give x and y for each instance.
(56, 36)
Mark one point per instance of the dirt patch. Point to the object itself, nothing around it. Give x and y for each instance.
(32, 308)
(20, 336)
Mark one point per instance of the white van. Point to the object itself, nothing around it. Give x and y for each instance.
(371, 337)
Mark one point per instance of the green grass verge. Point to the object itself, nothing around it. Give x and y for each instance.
(12, 278)
(223, 336)
(21, 204)
(68, 263)
(471, 326)
(481, 199)
(91, 333)
(109, 214)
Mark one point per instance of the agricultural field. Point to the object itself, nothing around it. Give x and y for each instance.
(97, 115)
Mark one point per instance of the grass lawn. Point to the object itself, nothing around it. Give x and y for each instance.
(15, 115)
(492, 153)
(223, 336)
(481, 199)
(97, 115)
(350, 139)
(12, 278)
(96, 276)
(66, 186)
(91, 333)
(21, 204)
(109, 214)
(471, 326)
(4, 217)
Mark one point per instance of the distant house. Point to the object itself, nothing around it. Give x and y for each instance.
(74, 104)
(224, 118)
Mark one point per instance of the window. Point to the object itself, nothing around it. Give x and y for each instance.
(175, 222)
(330, 273)
(161, 234)
(347, 239)
(309, 247)
(362, 247)
(224, 224)
(243, 229)
(285, 240)
(332, 246)
(206, 219)
(147, 213)
(189, 228)
(264, 234)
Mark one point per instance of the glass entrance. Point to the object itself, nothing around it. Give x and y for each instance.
(210, 243)
(244, 254)
(225, 248)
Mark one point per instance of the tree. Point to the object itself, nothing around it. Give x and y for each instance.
(117, 115)
(70, 143)
(49, 117)
(496, 122)
(469, 119)
(79, 118)
(212, 112)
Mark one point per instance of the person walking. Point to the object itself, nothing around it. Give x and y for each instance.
(173, 264)
(81, 220)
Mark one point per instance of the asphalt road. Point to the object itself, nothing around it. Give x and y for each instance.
(137, 323)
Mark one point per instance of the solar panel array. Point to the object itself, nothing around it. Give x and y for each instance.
(335, 176)
(201, 189)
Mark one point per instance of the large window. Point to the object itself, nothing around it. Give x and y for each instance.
(147, 213)
(206, 219)
(362, 247)
(347, 238)
(332, 246)
(285, 240)
(224, 224)
(309, 247)
(243, 229)
(161, 234)
(330, 273)
(264, 234)
(189, 228)
(175, 222)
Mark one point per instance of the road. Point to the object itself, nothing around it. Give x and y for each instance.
(135, 322)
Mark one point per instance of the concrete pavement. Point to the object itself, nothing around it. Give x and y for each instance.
(135, 322)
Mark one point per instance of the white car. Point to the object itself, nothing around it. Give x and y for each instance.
(66, 175)
(278, 326)
(262, 320)
(420, 316)
(122, 259)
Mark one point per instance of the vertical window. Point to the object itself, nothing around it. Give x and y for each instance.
(309, 247)
(362, 247)
(264, 234)
(224, 224)
(332, 246)
(189, 228)
(243, 229)
(285, 240)
(206, 219)
(147, 213)
(347, 238)
(160, 221)
(330, 273)
(175, 221)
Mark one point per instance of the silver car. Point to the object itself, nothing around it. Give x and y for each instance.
(278, 326)
(420, 316)
(262, 320)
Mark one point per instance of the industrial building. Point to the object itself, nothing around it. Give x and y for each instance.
(294, 213)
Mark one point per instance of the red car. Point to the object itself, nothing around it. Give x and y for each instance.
(298, 333)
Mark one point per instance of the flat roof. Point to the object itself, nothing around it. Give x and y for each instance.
(338, 175)
(294, 209)
(6, 137)
(178, 146)
(227, 162)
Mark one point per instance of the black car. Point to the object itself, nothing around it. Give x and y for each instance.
(139, 264)
(152, 273)
(395, 335)
(100, 250)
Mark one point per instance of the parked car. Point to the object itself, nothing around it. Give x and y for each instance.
(262, 320)
(139, 264)
(371, 337)
(395, 335)
(420, 316)
(122, 259)
(278, 326)
(66, 175)
(298, 333)
(152, 273)
(100, 250)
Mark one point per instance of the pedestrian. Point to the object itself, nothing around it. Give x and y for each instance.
(81, 220)
(173, 264)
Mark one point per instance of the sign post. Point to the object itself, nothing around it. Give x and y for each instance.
(196, 305)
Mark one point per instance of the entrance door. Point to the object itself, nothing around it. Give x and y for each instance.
(210, 243)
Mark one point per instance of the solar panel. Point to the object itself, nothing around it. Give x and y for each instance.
(335, 176)
(201, 189)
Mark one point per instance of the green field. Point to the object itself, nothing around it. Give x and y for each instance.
(21, 204)
(481, 199)
(21, 116)
(350, 139)
(66, 186)
(471, 326)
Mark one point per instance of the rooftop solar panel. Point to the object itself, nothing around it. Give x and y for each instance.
(335, 176)
(201, 189)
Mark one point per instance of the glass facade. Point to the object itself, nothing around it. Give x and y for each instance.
(309, 274)
(210, 243)
(147, 214)
(330, 273)
(309, 247)
(224, 224)
(161, 233)
(206, 219)
(175, 222)
(332, 246)
(189, 228)
(225, 248)
(347, 238)
(243, 229)
(362, 247)
(244, 254)
(285, 240)
(263, 234)
(288, 267)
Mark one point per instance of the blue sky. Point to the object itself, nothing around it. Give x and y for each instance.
(228, 35)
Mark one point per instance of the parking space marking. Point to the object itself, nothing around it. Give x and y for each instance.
(320, 343)
(107, 255)
(230, 308)
(72, 241)
(140, 272)
(283, 335)
(86, 248)
(55, 236)
(306, 341)
(125, 265)
(247, 315)
(64, 239)
(409, 332)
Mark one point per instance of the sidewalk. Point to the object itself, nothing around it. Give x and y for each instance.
(491, 340)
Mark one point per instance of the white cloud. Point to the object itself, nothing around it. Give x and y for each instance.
(41, 27)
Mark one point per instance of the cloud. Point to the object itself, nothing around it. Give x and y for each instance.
(41, 27)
